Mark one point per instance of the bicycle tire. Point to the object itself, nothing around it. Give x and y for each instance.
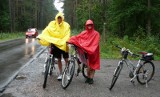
(48, 64)
(68, 70)
(116, 75)
(142, 67)
(52, 66)
(84, 71)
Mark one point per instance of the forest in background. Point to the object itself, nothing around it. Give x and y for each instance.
(134, 24)
(119, 17)
(19, 15)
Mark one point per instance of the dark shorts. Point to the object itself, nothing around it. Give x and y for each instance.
(57, 53)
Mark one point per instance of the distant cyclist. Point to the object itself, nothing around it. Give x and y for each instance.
(88, 40)
(57, 33)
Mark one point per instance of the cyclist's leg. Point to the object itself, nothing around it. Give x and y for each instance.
(65, 56)
(57, 54)
(92, 72)
(60, 65)
(90, 75)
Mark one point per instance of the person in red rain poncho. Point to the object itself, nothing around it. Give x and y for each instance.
(88, 40)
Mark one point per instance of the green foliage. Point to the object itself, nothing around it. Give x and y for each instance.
(76, 32)
(20, 15)
(148, 44)
(126, 16)
(8, 36)
(90, 10)
(4, 16)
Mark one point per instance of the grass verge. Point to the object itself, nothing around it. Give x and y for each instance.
(4, 36)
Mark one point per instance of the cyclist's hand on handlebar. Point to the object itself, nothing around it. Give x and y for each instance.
(38, 38)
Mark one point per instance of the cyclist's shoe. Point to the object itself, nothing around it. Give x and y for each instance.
(87, 80)
(59, 78)
(90, 81)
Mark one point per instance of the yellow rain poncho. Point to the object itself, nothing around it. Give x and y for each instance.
(56, 33)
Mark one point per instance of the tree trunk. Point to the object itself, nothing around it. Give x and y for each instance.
(149, 19)
(10, 11)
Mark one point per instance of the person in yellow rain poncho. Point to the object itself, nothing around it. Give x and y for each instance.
(56, 34)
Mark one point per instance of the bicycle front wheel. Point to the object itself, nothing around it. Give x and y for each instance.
(68, 74)
(84, 71)
(47, 68)
(116, 75)
(145, 72)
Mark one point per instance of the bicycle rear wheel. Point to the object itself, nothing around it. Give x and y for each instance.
(68, 74)
(145, 72)
(116, 75)
(84, 71)
(47, 68)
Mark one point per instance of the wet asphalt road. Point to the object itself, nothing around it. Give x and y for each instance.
(13, 55)
(29, 82)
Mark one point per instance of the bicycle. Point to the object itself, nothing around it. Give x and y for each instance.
(76, 56)
(140, 71)
(49, 65)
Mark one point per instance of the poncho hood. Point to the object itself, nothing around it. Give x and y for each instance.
(89, 22)
(60, 14)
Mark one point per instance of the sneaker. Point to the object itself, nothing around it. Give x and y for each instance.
(59, 78)
(87, 80)
(91, 81)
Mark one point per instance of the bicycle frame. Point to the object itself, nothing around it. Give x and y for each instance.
(132, 68)
(49, 56)
(78, 53)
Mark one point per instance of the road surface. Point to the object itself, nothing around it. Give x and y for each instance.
(29, 82)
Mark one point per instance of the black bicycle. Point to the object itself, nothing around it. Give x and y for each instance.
(49, 65)
(76, 56)
(143, 71)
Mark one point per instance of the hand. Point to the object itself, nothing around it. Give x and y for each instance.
(38, 38)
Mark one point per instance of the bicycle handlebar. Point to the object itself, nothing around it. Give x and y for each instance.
(132, 54)
(77, 47)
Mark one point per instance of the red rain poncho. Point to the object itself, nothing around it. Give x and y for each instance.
(89, 41)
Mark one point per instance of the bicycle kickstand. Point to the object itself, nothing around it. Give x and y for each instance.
(146, 81)
(146, 84)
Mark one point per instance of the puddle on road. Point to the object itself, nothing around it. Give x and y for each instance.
(7, 95)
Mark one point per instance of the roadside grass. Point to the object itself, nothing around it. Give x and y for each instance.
(4, 36)
(148, 44)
